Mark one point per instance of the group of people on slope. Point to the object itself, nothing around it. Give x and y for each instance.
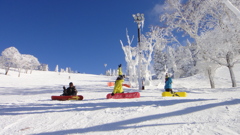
(72, 91)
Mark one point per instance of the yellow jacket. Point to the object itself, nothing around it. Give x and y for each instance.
(119, 71)
(118, 83)
(118, 86)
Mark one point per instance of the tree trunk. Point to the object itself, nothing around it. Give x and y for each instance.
(19, 72)
(234, 84)
(229, 58)
(7, 69)
(210, 76)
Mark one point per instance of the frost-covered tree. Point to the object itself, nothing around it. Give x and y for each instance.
(43, 67)
(108, 72)
(11, 58)
(222, 48)
(194, 18)
(67, 70)
(1, 62)
(179, 61)
(184, 62)
(62, 70)
(131, 59)
(29, 62)
(221, 45)
(232, 7)
(111, 72)
(160, 60)
(194, 49)
(152, 42)
(148, 44)
(170, 54)
(56, 69)
(191, 18)
(114, 72)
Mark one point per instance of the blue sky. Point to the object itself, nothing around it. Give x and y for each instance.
(81, 34)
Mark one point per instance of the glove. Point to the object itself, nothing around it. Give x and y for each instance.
(64, 87)
(112, 94)
(120, 65)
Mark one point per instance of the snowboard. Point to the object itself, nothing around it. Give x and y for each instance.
(174, 94)
(78, 97)
(112, 84)
(124, 95)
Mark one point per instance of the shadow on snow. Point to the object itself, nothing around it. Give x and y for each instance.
(122, 124)
(36, 108)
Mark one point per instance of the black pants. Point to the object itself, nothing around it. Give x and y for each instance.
(168, 90)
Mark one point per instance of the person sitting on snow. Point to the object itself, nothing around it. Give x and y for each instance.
(70, 91)
(118, 83)
(168, 83)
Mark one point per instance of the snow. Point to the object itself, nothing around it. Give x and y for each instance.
(232, 8)
(27, 108)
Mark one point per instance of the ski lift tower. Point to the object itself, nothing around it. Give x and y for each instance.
(139, 19)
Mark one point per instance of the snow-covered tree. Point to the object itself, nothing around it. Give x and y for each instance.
(11, 58)
(221, 45)
(29, 62)
(1, 61)
(170, 54)
(131, 59)
(150, 41)
(109, 72)
(56, 69)
(67, 70)
(194, 18)
(232, 7)
(43, 67)
(222, 48)
(114, 72)
(160, 60)
(184, 62)
(62, 70)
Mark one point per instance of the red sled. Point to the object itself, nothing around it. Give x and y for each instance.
(123, 95)
(78, 97)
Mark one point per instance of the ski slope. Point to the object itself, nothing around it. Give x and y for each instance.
(26, 106)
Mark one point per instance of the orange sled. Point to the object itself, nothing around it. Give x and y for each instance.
(112, 84)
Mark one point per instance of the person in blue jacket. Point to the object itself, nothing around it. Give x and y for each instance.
(168, 83)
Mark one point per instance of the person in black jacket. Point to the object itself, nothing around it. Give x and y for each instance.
(70, 91)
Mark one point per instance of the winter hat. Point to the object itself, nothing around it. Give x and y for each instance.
(120, 77)
(168, 75)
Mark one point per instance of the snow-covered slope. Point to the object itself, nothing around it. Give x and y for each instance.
(27, 108)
